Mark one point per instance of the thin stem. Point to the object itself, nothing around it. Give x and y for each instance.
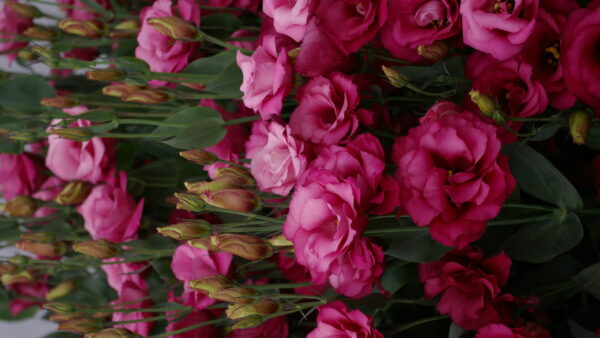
(119, 105)
(528, 119)
(152, 123)
(413, 324)
(249, 215)
(150, 319)
(521, 221)
(297, 307)
(281, 286)
(137, 135)
(528, 206)
(242, 120)
(223, 44)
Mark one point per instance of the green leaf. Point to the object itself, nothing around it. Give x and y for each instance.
(416, 246)
(104, 127)
(131, 63)
(220, 25)
(98, 115)
(219, 73)
(204, 128)
(589, 279)
(212, 65)
(579, 331)
(23, 94)
(539, 178)
(396, 277)
(455, 331)
(593, 140)
(542, 241)
(11, 147)
(186, 117)
(227, 82)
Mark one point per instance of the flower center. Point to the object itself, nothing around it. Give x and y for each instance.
(504, 6)
(431, 14)
(360, 9)
(552, 54)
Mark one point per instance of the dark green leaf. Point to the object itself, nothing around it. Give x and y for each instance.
(98, 115)
(104, 127)
(455, 331)
(416, 246)
(131, 63)
(211, 65)
(23, 94)
(201, 134)
(579, 332)
(395, 277)
(546, 131)
(11, 147)
(542, 241)
(593, 140)
(220, 25)
(589, 279)
(539, 178)
(186, 117)
(227, 82)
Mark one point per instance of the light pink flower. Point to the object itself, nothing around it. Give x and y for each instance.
(336, 320)
(132, 295)
(119, 274)
(290, 18)
(21, 174)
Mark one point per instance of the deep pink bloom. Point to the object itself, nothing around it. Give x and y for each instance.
(326, 113)
(277, 166)
(89, 161)
(417, 23)
(30, 291)
(195, 317)
(191, 263)
(499, 28)
(336, 320)
(439, 110)
(297, 273)
(119, 274)
(452, 177)
(470, 286)
(363, 160)
(290, 18)
(12, 24)
(21, 174)
(111, 213)
(163, 53)
(580, 58)
(267, 77)
(132, 294)
(531, 330)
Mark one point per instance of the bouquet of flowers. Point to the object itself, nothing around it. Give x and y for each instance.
(224, 168)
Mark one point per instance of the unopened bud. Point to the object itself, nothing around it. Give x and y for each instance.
(80, 134)
(434, 52)
(45, 237)
(293, 54)
(280, 241)
(235, 295)
(59, 102)
(120, 89)
(40, 33)
(24, 276)
(21, 206)
(486, 105)
(174, 27)
(147, 96)
(190, 202)
(128, 25)
(7, 268)
(218, 184)
(245, 246)
(98, 248)
(61, 290)
(73, 193)
(109, 74)
(19, 260)
(60, 307)
(26, 11)
(396, 78)
(50, 250)
(87, 28)
(232, 199)
(27, 55)
(199, 156)
(112, 332)
(243, 176)
(63, 317)
(194, 86)
(185, 231)
(26, 136)
(123, 34)
(248, 322)
(211, 284)
(580, 123)
(82, 325)
(263, 307)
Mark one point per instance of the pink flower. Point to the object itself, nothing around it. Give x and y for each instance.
(119, 274)
(362, 160)
(80, 11)
(11, 25)
(290, 18)
(277, 166)
(297, 273)
(452, 177)
(502, 331)
(90, 161)
(579, 54)
(163, 53)
(469, 285)
(417, 23)
(500, 28)
(195, 317)
(274, 327)
(326, 113)
(191, 263)
(336, 320)
(439, 110)
(267, 78)
(21, 174)
(47, 192)
(132, 295)
(351, 23)
(111, 213)
(31, 292)
(258, 138)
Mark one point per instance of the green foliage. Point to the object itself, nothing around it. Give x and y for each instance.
(22, 94)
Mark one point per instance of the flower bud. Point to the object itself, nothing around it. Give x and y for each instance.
(174, 27)
(210, 285)
(396, 78)
(24, 276)
(580, 123)
(123, 34)
(61, 290)
(19, 260)
(120, 89)
(45, 237)
(25, 136)
(73, 193)
(486, 105)
(40, 33)
(190, 202)
(59, 102)
(24, 10)
(280, 241)
(186, 230)
(7, 268)
(248, 322)
(243, 177)
(80, 134)
(261, 308)
(87, 28)
(248, 247)
(60, 307)
(98, 248)
(109, 74)
(128, 25)
(27, 55)
(435, 51)
(50, 250)
(21, 206)
(147, 96)
(63, 317)
(199, 156)
(232, 199)
(81, 325)
(235, 295)
(293, 54)
(112, 332)
(218, 184)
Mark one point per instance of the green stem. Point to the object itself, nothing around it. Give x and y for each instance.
(212, 39)
(528, 206)
(242, 120)
(281, 286)
(528, 119)
(191, 327)
(249, 215)
(521, 220)
(237, 230)
(120, 105)
(409, 301)
(133, 114)
(294, 296)
(136, 135)
(152, 123)
(588, 212)
(150, 319)
(413, 324)
(426, 93)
